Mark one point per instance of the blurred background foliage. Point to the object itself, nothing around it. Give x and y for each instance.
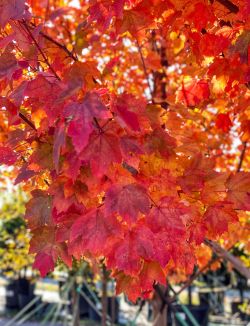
(14, 236)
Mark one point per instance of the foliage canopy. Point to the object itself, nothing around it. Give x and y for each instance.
(129, 122)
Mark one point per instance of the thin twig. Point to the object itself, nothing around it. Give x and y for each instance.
(27, 121)
(39, 49)
(145, 69)
(242, 156)
(61, 46)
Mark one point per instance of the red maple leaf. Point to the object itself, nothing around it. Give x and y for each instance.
(91, 233)
(193, 92)
(218, 216)
(11, 9)
(168, 215)
(239, 190)
(103, 150)
(127, 201)
(128, 253)
(38, 209)
(81, 119)
(59, 142)
(47, 250)
(7, 155)
(223, 122)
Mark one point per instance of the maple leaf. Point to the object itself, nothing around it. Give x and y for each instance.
(130, 148)
(223, 122)
(214, 188)
(42, 157)
(239, 190)
(47, 250)
(102, 150)
(151, 274)
(37, 91)
(128, 109)
(127, 284)
(64, 221)
(81, 119)
(168, 215)
(7, 155)
(242, 46)
(213, 45)
(141, 286)
(193, 92)
(24, 174)
(91, 232)
(160, 141)
(44, 263)
(127, 201)
(201, 15)
(184, 258)
(59, 142)
(135, 20)
(127, 254)
(218, 216)
(195, 174)
(8, 64)
(38, 209)
(102, 13)
(197, 231)
(11, 9)
(12, 110)
(79, 75)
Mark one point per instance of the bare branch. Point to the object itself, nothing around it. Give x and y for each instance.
(237, 264)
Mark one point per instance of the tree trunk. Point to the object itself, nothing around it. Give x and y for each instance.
(159, 309)
(75, 306)
(104, 296)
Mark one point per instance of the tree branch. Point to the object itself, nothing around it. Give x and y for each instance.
(61, 46)
(242, 155)
(229, 5)
(237, 264)
(39, 49)
(145, 69)
(27, 121)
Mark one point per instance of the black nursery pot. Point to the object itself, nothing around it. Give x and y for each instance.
(83, 307)
(235, 309)
(11, 295)
(25, 292)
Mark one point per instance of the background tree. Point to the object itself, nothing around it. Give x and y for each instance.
(14, 236)
(128, 121)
